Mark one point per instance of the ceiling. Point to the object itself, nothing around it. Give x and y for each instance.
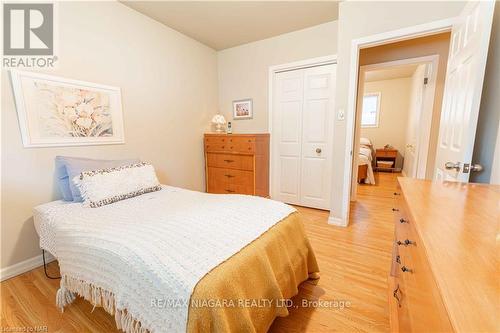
(224, 24)
(397, 72)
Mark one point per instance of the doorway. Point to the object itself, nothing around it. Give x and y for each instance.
(468, 51)
(302, 114)
(394, 119)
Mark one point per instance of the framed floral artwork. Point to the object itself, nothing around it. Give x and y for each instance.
(55, 111)
(242, 109)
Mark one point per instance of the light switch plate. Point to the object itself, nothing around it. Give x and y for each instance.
(341, 114)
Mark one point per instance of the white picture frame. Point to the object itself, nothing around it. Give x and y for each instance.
(242, 109)
(55, 111)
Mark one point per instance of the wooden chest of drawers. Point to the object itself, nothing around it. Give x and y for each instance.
(237, 163)
(443, 275)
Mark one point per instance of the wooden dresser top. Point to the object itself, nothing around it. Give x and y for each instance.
(458, 225)
(237, 134)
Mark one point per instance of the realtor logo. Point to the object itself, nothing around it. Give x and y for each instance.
(28, 29)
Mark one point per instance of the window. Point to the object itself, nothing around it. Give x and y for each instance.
(371, 109)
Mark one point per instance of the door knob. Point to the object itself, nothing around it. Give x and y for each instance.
(318, 150)
(451, 165)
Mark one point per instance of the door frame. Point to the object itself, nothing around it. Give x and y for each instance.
(388, 37)
(426, 111)
(291, 66)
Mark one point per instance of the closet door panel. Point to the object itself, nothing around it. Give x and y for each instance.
(287, 129)
(317, 126)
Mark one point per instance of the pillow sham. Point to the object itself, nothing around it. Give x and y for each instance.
(365, 141)
(105, 186)
(69, 167)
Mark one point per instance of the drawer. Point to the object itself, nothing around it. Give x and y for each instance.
(221, 180)
(231, 176)
(230, 161)
(236, 144)
(216, 143)
(227, 188)
(388, 153)
(242, 144)
(398, 310)
(402, 218)
(426, 311)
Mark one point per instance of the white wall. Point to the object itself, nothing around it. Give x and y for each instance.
(244, 70)
(486, 152)
(495, 169)
(360, 19)
(169, 93)
(393, 116)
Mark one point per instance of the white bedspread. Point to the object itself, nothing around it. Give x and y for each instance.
(154, 246)
(365, 157)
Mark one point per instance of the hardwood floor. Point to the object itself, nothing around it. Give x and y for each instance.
(354, 263)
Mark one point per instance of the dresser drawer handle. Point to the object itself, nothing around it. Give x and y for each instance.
(395, 210)
(406, 269)
(230, 191)
(402, 220)
(229, 176)
(406, 242)
(396, 193)
(395, 295)
(229, 161)
(398, 259)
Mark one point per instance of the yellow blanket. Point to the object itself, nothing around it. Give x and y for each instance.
(246, 292)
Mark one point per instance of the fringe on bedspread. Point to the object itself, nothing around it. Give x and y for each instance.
(97, 297)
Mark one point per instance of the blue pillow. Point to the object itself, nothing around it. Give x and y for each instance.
(69, 167)
(63, 179)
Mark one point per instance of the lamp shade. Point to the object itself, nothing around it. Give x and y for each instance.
(218, 119)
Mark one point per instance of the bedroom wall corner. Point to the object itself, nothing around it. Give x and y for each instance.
(243, 71)
(169, 93)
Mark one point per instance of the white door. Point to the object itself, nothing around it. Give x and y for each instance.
(286, 136)
(470, 37)
(302, 127)
(411, 157)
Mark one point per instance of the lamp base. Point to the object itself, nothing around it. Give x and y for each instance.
(219, 128)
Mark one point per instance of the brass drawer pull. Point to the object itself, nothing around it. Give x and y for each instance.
(402, 220)
(406, 242)
(229, 176)
(398, 259)
(395, 210)
(229, 191)
(229, 161)
(406, 269)
(396, 193)
(395, 295)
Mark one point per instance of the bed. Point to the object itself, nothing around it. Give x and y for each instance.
(365, 161)
(176, 260)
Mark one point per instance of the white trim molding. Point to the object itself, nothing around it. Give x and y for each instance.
(24, 266)
(337, 221)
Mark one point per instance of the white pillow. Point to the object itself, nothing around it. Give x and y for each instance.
(365, 142)
(104, 186)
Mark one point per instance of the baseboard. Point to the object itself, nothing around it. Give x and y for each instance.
(24, 266)
(332, 220)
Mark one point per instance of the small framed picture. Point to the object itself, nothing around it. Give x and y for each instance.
(242, 109)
